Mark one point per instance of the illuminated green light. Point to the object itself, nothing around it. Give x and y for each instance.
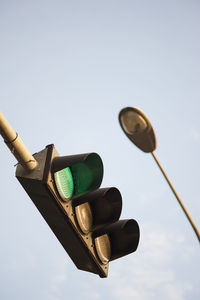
(64, 183)
(79, 178)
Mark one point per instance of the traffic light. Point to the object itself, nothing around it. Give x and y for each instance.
(84, 217)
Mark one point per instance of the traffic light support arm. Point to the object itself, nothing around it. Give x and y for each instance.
(177, 197)
(16, 145)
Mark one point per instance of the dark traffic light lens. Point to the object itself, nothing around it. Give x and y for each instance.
(103, 248)
(84, 217)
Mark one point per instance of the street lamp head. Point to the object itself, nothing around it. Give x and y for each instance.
(138, 128)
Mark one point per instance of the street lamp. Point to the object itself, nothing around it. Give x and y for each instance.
(139, 130)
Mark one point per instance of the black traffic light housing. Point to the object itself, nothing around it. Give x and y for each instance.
(83, 217)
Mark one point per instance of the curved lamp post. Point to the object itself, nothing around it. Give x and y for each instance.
(139, 130)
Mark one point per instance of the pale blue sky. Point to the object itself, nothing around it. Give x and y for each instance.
(67, 69)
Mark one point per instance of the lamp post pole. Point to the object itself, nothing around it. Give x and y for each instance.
(139, 130)
(177, 197)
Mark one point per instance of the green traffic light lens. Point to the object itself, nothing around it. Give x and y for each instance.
(79, 178)
(64, 183)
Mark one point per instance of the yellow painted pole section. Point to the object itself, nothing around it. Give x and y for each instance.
(178, 198)
(16, 145)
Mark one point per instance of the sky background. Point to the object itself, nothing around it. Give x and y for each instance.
(66, 70)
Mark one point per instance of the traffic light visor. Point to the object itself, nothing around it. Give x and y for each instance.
(78, 174)
(98, 208)
(123, 235)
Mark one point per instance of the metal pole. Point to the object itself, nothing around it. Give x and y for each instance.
(16, 145)
(177, 197)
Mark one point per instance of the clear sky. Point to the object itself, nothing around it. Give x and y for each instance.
(66, 70)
